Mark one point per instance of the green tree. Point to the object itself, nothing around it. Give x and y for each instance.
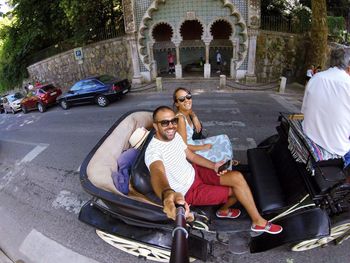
(38, 24)
(88, 17)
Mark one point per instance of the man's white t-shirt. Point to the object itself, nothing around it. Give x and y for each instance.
(178, 170)
(326, 108)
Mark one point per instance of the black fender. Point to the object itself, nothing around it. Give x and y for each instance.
(297, 227)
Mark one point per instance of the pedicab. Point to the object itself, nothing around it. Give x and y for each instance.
(291, 187)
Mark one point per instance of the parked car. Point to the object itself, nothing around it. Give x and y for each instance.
(40, 98)
(101, 90)
(1, 106)
(12, 102)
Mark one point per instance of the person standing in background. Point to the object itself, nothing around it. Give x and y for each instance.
(218, 61)
(171, 64)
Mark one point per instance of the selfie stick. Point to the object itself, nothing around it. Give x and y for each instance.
(179, 248)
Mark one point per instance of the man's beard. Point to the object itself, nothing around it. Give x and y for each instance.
(168, 134)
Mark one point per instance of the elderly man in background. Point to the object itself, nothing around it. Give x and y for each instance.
(326, 106)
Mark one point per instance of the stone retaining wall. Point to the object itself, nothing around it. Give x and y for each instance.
(281, 54)
(106, 57)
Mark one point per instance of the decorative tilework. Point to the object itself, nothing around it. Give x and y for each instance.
(175, 12)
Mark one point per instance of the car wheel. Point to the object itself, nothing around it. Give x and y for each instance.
(101, 101)
(41, 107)
(24, 109)
(64, 104)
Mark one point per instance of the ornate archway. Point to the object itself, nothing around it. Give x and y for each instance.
(206, 37)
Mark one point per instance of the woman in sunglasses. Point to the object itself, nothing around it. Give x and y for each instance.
(215, 148)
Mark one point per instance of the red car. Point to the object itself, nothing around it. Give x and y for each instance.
(40, 98)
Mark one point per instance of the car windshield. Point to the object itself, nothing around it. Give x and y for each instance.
(105, 78)
(15, 96)
(47, 88)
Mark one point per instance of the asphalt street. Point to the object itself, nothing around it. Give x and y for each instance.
(40, 156)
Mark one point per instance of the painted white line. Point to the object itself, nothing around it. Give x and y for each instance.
(41, 249)
(5, 180)
(19, 142)
(34, 153)
(68, 201)
(285, 103)
(201, 102)
(221, 110)
(222, 123)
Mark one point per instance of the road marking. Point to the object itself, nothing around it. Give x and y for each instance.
(68, 201)
(34, 153)
(221, 110)
(223, 123)
(8, 177)
(41, 249)
(5, 180)
(285, 103)
(20, 142)
(201, 102)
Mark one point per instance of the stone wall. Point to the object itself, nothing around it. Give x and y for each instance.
(281, 54)
(106, 57)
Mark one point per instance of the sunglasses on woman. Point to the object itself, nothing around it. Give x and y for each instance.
(183, 98)
(166, 123)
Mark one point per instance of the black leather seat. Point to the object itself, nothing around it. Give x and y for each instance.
(140, 176)
(276, 179)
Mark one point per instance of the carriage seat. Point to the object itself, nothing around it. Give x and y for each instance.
(280, 179)
(140, 175)
(276, 178)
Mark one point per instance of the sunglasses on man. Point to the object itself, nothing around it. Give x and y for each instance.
(166, 123)
(183, 98)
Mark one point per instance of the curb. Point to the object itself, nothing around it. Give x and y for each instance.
(4, 258)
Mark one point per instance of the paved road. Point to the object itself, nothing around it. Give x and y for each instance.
(40, 155)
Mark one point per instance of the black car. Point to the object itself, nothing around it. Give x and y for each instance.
(101, 90)
(1, 106)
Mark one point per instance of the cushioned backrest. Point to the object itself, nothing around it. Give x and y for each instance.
(140, 176)
(104, 161)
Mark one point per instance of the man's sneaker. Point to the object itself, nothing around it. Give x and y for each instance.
(268, 228)
(230, 213)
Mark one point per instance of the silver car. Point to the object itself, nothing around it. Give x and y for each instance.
(12, 102)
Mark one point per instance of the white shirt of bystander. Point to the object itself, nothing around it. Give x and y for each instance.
(326, 108)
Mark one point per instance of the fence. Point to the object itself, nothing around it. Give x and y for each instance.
(282, 24)
(102, 34)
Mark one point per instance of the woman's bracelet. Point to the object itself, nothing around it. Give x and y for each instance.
(164, 191)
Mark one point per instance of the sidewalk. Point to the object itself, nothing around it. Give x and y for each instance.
(4, 258)
(212, 84)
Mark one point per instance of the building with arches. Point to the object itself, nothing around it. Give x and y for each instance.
(194, 31)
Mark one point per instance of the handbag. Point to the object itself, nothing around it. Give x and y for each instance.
(198, 135)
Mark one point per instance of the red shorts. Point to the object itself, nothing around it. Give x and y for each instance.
(206, 188)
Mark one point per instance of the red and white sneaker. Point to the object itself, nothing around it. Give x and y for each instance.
(230, 213)
(268, 228)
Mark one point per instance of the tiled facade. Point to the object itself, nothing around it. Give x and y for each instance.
(147, 14)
